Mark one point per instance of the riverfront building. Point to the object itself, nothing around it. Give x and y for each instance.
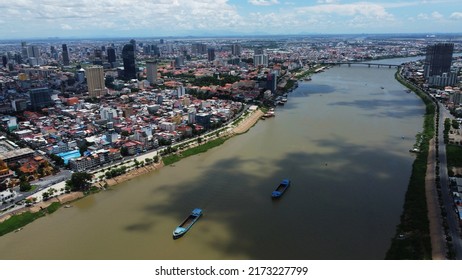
(438, 59)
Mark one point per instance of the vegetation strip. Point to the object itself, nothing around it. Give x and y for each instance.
(171, 159)
(412, 238)
(16, 222)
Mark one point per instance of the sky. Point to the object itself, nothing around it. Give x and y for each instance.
(157, 18)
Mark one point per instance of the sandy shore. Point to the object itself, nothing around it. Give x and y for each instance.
(130, 175)
(64, 198)
(248, 122)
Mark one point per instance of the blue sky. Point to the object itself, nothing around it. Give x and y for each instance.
(152, 18)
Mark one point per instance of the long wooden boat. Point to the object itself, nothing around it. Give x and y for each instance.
(279, 191)
(187, 223)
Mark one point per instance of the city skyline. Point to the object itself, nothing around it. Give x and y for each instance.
(109, 18)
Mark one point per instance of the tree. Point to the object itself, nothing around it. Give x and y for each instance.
(80, 181)
(124, 151)
(57, 159)
(455, 124)
(24, 186)
(46, 196)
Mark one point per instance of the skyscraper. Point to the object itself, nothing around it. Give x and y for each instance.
(211, 54)
(438, 59)
(111, 55)
(33, 51)
(40, 98)
(128, 56)
(95, 81)
(236, 49)
(199, 48)
(24, 50)
(65, 55)
(4, 60)
(271, 82)
(151, 71)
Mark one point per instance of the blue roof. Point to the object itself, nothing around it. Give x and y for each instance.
(66, 156)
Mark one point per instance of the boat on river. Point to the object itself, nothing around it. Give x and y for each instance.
(279, 191)
(187, 223)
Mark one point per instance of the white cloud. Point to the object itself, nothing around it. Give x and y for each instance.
(369, 10)
(66, 27)
(456, 15)
(423, 16)
(263, 2)
(194, 17)
(158, 15)
(432, 16)
(327, 1)
(436, 15)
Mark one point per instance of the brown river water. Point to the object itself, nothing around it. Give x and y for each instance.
(343, 140)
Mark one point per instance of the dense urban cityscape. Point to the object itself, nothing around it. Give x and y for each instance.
(73, 107)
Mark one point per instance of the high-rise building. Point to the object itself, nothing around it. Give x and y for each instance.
(211, 54)
(236, 49)
(95, 81)
(65, 55)
(33, 51)
(111, 55)
(151, 71)
(258, 51)
(271, 82)
(155, 50)
(4, 60)
(179, 61)
(128, 56)
(40, 98)
(18, 58)
(438, 59)
(260, 59)
(24, 50)
(198, 48)
(98, 53)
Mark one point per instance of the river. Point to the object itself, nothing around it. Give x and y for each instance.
(342, 138)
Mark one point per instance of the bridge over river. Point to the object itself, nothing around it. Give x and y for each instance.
(369, 64)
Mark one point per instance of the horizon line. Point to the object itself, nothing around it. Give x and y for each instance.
(426, 34)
